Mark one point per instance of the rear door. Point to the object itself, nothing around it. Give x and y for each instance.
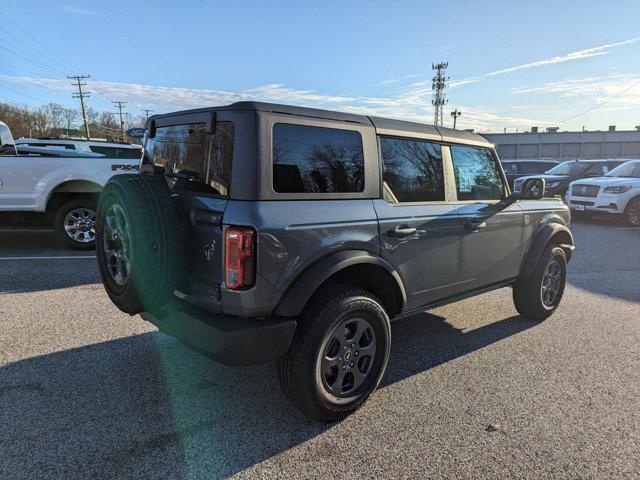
(419, 226)
(198, 171)
(491, 233)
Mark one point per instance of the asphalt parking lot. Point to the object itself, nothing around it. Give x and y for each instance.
(89, 392)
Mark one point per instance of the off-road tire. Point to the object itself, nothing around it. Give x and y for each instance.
(634, 203)
(297, 369)
(156, 257)
(88, 202)
(527, 291)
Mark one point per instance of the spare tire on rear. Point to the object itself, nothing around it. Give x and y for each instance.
(139, 243)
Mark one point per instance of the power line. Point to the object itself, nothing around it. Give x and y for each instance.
(119, 104)
(81, 96)
(601, 103)
(146, 111)
(23, 94)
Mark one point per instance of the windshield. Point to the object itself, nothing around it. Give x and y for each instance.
(630, 169)
(568, 168)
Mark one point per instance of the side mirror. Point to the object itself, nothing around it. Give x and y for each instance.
(533, 189)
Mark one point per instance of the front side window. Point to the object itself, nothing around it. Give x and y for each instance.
(317, 160)
(66, 146)
(194, 161)
(476, 172)
(412, 170)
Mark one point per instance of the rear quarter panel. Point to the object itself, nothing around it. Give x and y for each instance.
(292, 235)
(538, 213)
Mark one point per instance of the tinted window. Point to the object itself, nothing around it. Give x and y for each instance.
(412, 170)
(477, 177)
(527, 168)
(316, 160)
(510, 168)
(53, 145)
(194, 160)
(570, 167)
(116, 152)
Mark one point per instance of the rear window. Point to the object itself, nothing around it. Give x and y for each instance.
(194, 160)
(317, 160)
(117, 152)
(528, 168)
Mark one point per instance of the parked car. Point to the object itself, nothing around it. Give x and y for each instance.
(62, 183)
(514, 169)
(295, 234)
(617, 192)
(108, 149)
(559, 177)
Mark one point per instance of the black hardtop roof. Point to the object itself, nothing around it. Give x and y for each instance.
(446, 134)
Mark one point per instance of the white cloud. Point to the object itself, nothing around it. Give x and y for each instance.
(411, 104)
(79, 11)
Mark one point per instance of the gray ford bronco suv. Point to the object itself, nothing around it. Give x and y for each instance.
(258, 232)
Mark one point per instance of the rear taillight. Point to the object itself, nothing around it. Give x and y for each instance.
(239, 257)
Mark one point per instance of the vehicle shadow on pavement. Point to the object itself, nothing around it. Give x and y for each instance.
(146, 406)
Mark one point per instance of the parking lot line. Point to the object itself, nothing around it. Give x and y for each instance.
(53, 257)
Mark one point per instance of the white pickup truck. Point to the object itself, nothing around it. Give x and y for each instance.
(61, 182)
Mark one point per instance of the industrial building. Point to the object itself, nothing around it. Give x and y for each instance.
(556, 145)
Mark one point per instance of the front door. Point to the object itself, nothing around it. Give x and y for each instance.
(419, 228)
(492, 227)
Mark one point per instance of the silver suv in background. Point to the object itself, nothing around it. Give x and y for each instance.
(108, 149)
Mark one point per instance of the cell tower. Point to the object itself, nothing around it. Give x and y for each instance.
(439, 85)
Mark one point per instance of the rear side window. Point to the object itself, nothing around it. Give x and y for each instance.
(476, 172)
(116, 152)
(316, 160)
(194, 161)
(412, 170)
(66, 146)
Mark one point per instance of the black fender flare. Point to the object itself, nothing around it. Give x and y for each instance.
(304, 286)
(540, 242)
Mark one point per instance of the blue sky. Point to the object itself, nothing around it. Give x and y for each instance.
(511, 64)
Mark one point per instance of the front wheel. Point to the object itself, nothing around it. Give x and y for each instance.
(632, 212)
(537, 296)
(338, 354)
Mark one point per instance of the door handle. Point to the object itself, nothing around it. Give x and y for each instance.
(474, 225)
(401, 231)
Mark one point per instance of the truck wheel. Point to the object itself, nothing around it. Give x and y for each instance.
(632, 212)
(338, 353)
(138, 242)
(536, 297)
(75, 223)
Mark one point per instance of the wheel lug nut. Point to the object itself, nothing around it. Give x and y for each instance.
(356, 353)
(344, 367)
(351, 364)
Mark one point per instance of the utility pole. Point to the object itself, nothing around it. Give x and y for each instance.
(439, 85)
(81, 95)
(146, 111)
(455, 114)
(119, 104)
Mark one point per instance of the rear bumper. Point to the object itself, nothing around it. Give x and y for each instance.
(225, 339)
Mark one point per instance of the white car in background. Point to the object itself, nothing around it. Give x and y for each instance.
(63, 182)
(617, 192)
(108, 149)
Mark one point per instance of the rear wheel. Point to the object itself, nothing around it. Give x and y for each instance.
(537, 296)
(632, 212)
(75, 223)
(138, 242)
(338, 354)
